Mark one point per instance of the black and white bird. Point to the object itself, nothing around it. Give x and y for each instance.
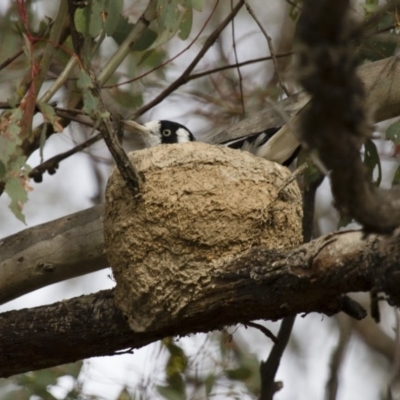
(273, 144)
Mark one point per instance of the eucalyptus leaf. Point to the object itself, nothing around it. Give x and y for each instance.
(112, 15)
(15, 189)
(146, 40)
(198, 5)
(122, 29)
(169, 16)
(393, 133)
(186, 24)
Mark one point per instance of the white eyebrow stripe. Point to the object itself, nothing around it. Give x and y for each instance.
(153, 126)
(182, 135)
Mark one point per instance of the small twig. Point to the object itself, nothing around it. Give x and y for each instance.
(73, 111)
(185, 75)
(338, 354)
(293, 176)
(51, 164)
(125, 167)
(269, 368)
(270, 46)
(264, 330)
(170, 59)
(241, 64)
(11, 59)
(237, 62)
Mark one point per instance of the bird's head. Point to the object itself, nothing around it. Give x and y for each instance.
(160, 132)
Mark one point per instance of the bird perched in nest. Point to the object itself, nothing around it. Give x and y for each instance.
(164, 132)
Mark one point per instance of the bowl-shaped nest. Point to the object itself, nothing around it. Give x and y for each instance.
(199, 206)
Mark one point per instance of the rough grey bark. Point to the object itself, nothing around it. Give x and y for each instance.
(51, 252)
(263, 284)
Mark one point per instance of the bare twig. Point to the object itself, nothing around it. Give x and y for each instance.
(241, 64)
(264, 330)
(170, 59)
(185, 75)
(52, 163)
(338, 354)
(11, 59)
(270, 46)
(237, 62)
(269, 368)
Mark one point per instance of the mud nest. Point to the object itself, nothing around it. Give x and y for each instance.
(199, 206)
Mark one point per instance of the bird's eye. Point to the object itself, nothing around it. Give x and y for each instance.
(166, 132)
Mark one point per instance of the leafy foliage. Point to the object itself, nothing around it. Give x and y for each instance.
(97, 16)
(13, 168)
(233, 366)
(38, 384)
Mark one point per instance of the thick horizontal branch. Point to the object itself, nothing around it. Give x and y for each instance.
(262, 284)
(51, 252)
(383, 97)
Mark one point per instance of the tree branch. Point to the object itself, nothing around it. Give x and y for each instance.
(380, 79)
(383, 90)
(336, 121)
(100, 113)
(262, 284)
(185, 75)
(30, 260)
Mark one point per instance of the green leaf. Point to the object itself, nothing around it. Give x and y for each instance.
(372, 161)
(13, 163)
(169, 393)
(89, 19)
(99, 15)
(169, 16)
(153, 58)
(128, 99)
(112, 15)
(82, 20)
(198, 5)
(145, 41)
(15, 188)
(239, 374)
(122, 29)
(393, 133)
(90, 102)
(209, 383)
(186, 24)
(49, 115)
(38, 383)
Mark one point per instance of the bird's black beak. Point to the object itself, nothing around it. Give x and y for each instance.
(134, 127)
